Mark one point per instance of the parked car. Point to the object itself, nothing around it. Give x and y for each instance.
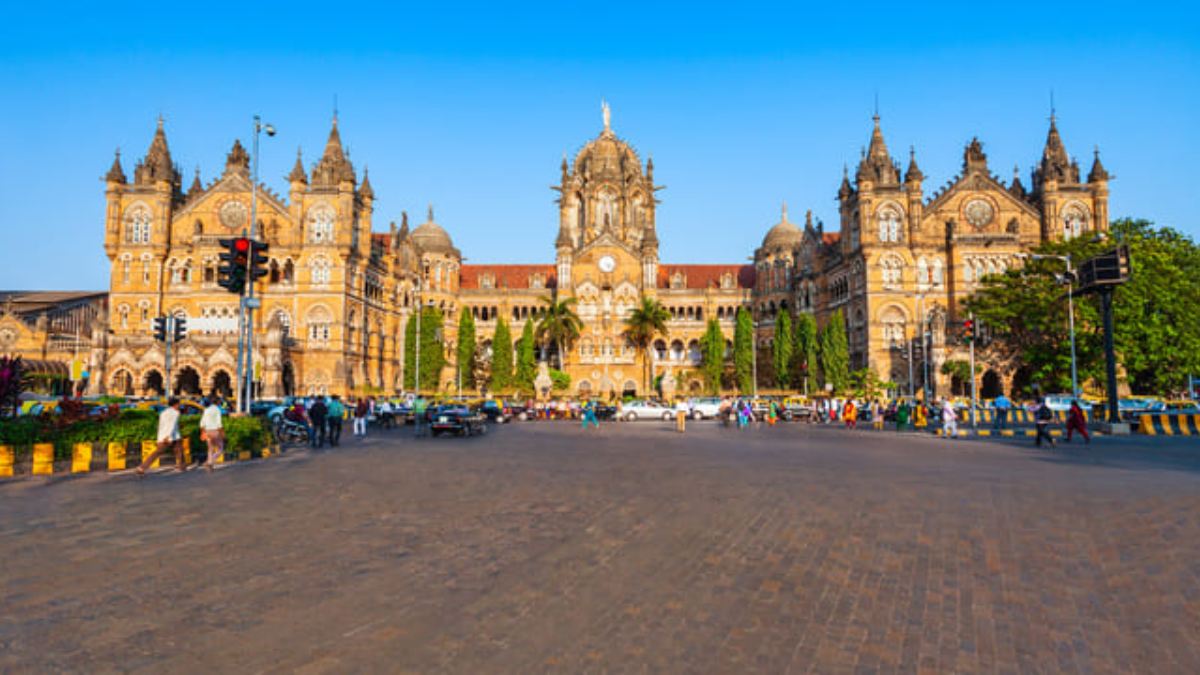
(647, 410)
(1182, 406)
(494, 411)
(705, 408)
(456, 419)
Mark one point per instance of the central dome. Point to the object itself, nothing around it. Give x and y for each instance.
(430, 236)
(784, 234)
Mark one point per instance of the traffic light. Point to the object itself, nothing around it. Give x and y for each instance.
(179, 328)
(258, 261)
(160, 328)
(231, 275)
(969, 330)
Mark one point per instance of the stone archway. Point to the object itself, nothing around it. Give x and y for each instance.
(222, 384)
(122, 383)
(1022, 383)
(187, 382)
(992, 385)
(152, 383)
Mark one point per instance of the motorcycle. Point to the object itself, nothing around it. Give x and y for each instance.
(287, 431)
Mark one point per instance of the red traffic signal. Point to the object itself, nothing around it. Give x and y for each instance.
(241, 245)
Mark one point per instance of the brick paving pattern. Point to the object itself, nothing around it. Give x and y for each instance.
(538, 548)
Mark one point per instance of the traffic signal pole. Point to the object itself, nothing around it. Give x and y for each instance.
(974, 392)
(169, 326)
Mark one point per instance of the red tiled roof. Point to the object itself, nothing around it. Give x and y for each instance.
(831, 237)
(706, 276)
(506, 276)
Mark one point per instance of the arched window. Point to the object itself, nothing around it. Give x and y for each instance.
(123, 313)
(1075, 220)
(320, 271)
(889, 224)
(922, 272)
(938, 276)
(891, 267)
(894, 333)
(137, 224)
(320, 224)
(126, 263)
(318, 321)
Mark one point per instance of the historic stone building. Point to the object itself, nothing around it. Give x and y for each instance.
(901, 263)
(338, 296)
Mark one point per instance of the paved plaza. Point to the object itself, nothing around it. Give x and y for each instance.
(539, 548)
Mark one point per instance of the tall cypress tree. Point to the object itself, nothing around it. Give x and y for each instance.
(526, 360)
(465, 351)
(712, 354)
(743, 351)
(502, 357)
(433, 357)
(835, 353)
(410, 353)
(804, 354)
(782, 349)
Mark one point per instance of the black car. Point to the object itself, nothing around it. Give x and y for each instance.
(455, 419)
(494, 411)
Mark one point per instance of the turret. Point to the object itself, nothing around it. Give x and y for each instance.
(115, 175)
(913, 193)
(238, 160)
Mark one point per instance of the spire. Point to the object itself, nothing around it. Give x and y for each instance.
(365, 191)
(298, 174)
(1016, 189)
(808, 225)
(913, 174)
(238, 160)
(1098, 172)
(650, 168)
(115, 173)
(157, 165)
(403, 225)
(430, 217)
(565, 169)
(197, 187)
(877, 164)
(1055, 164)
(334, 166)
(844, 191)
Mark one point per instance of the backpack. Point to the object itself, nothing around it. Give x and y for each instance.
(1044, 413)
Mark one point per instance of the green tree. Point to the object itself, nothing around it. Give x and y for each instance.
(559, 326)
(432, 356)
(502, 357)
(559, 381)
(712, 356)
(834, 353)
(647, 321)
(865, 384)
(743, 351)
(782, 349)
(465, 350)
(804, 353)
(526, 359)
(1024, 311)
(959, 372)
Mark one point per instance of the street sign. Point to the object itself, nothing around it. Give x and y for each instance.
(252, 303)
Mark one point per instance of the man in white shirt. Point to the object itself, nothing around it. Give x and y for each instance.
(212, 432)
(681, 413)
(168, 438)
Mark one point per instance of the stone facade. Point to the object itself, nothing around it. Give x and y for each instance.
(339, 295)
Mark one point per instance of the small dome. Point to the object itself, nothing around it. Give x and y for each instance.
(430, 237)
(784, 234)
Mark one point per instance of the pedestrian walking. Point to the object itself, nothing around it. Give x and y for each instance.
(385, 414)
(920, 416)
(877, 415)
(1042, 416)
(168, 438)
(333, 420)
(850, 415)
(1000, 408)
(772, 413)
(949, 419)
(317, 413)
(723, 412)
(589, 415)
(419, 407)
(1076, 421)
(212, 432)
(902, 413)
(681, 413)
(361, 410)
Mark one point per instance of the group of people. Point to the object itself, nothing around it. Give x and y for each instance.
(168, 438)
(740, 412)
(323, 417)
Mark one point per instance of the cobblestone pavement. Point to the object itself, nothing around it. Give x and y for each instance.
(539, 548)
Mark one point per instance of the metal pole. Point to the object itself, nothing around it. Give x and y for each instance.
(417, 343)
(250, 263)
(169, 326)
(1110, 357)
(241, 354)
(911, 392)
(1071, 322)
(974, 396)
(754, 362)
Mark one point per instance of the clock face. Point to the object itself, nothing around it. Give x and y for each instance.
(607, 264)
(233, 214)
(7, 336)
(978, 212)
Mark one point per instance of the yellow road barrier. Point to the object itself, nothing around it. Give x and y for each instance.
(43, 459)
(116, 456)
(81, 458)
(6, 461)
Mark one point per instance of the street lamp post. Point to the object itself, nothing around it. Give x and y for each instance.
(417, 341)
(754, 361)
(1069, 278)
(248, 302)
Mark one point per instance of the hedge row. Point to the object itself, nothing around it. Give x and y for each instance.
(131, 426)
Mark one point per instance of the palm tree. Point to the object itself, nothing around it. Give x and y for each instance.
(644, 323)
(559, 325)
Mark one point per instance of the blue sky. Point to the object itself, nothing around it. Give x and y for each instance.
(470, 107)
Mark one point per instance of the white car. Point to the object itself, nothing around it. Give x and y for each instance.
(705, 408)
(646, 410)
